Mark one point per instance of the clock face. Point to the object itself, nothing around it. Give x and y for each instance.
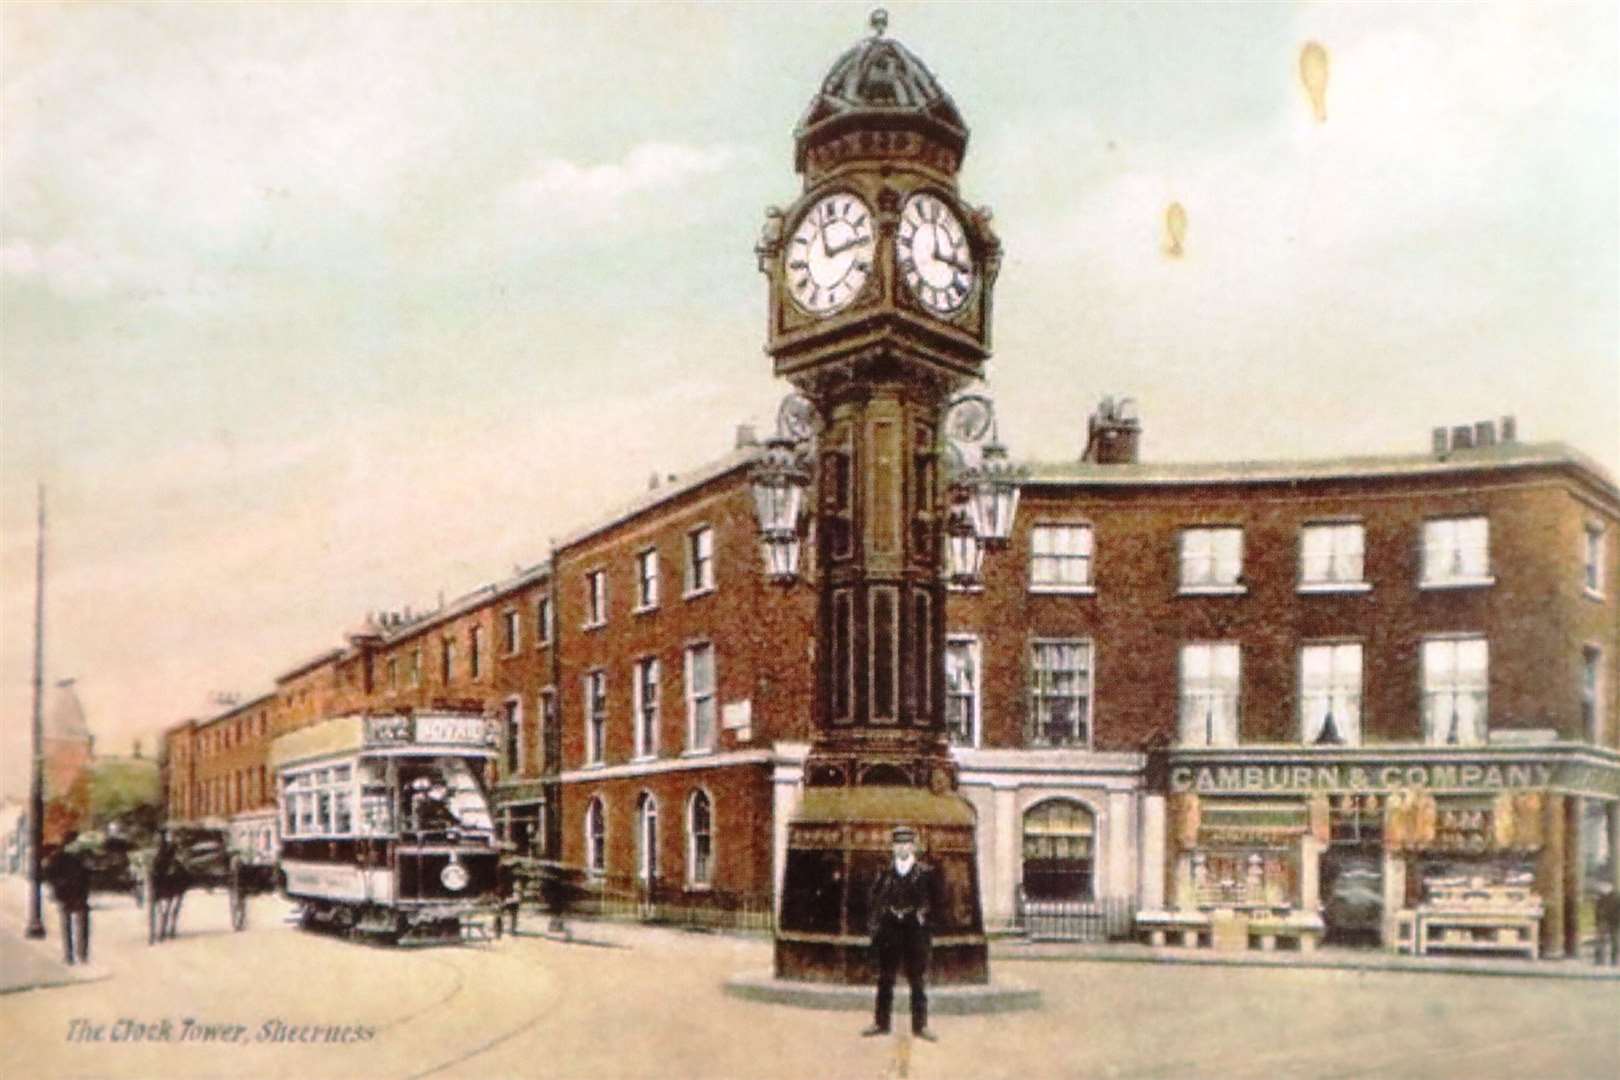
(829, 256)
(934, 256)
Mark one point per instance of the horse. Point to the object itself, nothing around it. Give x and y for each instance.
(167, 882)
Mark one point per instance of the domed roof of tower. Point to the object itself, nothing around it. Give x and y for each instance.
(882, 80)
(65, 719)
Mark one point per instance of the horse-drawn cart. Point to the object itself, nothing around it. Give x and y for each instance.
(198, 856)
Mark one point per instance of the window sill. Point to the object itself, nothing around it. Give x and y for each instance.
(1212, 590)
(693, 594)
(964, 588)
(1047, 744)
(1459, 583)
(699, 886)
(541, 645)
(641, 759)
(593, 625)
(1592, 594)
(1313, 587)
(1064, 590)
(643, 609)
(594, 765)
(708, 752)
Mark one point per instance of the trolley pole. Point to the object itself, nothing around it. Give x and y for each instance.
(36, 796)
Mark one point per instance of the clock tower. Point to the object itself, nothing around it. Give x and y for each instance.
(881, 278)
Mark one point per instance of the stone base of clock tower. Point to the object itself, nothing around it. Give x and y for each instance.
(838, 842)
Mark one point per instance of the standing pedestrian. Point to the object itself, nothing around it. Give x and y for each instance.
(900, 919)
(70, 887)
(1608, 923)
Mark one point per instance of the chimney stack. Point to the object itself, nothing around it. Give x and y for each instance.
(1510, 429)
(1442, 442)
(1113, 433)
(1462, 437)
(746, 436)
(1484, 433)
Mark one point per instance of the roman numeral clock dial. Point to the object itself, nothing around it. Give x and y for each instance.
(829, 256)
(935, 260)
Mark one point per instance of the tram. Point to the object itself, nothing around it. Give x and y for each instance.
(384, 823)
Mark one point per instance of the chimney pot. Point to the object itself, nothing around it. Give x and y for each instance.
(1462, 437)
(1484, 433)
(1510, 429)
(1113, 434)
(652, 482)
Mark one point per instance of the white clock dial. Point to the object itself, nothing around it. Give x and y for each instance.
(934, 256)
(829, 256)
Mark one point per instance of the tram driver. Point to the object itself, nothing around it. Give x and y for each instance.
(430, 805)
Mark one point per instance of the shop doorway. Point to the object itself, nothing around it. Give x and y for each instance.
(1352, 883)
(1353, 896)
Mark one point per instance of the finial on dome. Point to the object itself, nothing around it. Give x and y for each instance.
(879, 21)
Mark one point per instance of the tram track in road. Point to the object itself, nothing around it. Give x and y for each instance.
(485, 1046)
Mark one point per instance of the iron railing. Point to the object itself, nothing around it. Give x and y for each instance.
(1111, 918)
(631, 900)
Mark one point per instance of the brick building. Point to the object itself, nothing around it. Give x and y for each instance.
(1155, 637)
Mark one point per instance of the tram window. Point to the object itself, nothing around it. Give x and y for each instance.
(324, 817)
(376, 818)
(441, 792)
(342, 820)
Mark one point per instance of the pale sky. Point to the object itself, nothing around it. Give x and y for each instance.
(312, 310)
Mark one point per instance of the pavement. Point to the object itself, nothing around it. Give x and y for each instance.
(1325, 958)
(36, 963)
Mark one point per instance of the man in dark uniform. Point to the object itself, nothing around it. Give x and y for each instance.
(70, 885)
(1608, 923)
(901, 914)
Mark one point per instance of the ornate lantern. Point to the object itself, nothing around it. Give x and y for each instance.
(964, 553)
(994, 491)
(780, 478)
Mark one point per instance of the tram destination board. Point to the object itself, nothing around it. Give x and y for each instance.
(432, 729)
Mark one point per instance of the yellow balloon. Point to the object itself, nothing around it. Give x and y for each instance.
(1313, 72)
(1175, 223)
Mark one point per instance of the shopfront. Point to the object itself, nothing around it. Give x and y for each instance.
(1422, 849)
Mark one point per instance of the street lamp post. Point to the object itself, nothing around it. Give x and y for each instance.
(36, 792)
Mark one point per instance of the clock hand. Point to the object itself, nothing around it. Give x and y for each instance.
(841, 248)
(952, 260)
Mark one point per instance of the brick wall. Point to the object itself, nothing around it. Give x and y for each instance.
(1535, 616)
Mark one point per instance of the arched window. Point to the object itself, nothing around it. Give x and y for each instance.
(647, 839)
(595, 837)
(699, 840)
(1058, 851)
